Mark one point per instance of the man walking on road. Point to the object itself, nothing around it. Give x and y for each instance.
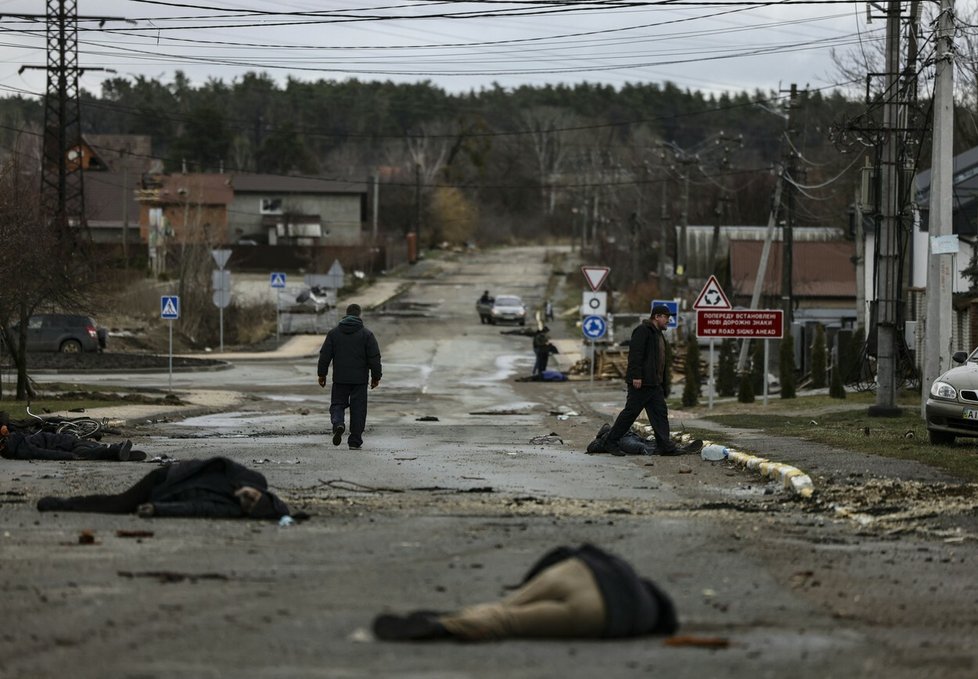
(645, 378)
(355, 355)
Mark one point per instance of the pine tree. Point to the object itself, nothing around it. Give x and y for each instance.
(836, 389)
(787, 375)
(746, 392)
(726, 374)
(758, 371)
(691, 390)
(818, 358)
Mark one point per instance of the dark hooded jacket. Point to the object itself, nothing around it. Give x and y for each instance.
(634, 606)
(646, 355)
(353, 351)
(44, 445)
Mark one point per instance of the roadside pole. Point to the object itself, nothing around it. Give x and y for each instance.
(276, 280)
(170, 311)
(710, 380)
(594, 309)
(766, 343)
(221, 284)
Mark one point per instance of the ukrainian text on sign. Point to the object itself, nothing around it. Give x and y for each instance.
(721, 324)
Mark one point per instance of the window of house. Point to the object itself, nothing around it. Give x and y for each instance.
(271, 206)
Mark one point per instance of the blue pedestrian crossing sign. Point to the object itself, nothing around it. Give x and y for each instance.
(673, 309)
(170, 307)
(277, 279)
(594, 327)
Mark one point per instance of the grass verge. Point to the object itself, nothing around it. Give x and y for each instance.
(845, 424)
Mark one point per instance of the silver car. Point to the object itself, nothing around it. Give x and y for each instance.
(952, 408)
(508, 309)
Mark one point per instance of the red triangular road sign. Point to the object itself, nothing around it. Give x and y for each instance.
(712, 296)
(595, 275)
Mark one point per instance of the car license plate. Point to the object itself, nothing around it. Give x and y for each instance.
(970, 414)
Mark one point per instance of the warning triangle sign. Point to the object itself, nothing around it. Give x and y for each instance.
(712, 296)
(595, 275)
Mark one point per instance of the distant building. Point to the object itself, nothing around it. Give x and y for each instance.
(286, 210)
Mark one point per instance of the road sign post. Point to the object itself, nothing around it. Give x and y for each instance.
(594, 328)
(763, 324)
(170, 311)
(276, 281)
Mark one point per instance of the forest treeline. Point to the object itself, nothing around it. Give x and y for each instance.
(526, 163)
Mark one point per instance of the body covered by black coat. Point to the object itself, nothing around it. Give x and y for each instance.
(353, 351)
(192, 485)
(635, 606)
(643, 355)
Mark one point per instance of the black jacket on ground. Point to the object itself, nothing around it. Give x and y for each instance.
(198, 487)
(643, 355)
(44, 445)
(635, 606)
(353, 351)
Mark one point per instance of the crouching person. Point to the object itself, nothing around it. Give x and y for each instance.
(211, 488)
(581, 592)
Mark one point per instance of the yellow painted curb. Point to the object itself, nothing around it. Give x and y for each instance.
(791, 477)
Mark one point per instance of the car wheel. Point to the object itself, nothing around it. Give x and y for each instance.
(940, 438)
(71, 347)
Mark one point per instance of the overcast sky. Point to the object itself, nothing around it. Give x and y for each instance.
(728, 45)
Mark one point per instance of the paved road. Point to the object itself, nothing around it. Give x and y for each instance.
(437, 514)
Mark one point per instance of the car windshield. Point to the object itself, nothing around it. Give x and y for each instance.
(508, 301)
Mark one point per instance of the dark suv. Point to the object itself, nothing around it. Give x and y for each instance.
(67, 333)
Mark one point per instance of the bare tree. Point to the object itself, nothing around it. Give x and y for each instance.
(45, 266)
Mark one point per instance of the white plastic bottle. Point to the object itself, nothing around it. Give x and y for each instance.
(714, 452)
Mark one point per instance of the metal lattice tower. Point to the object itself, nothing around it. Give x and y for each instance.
(62, 184)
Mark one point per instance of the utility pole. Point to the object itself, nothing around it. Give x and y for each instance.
(787, 234)
(888, 261)
(937, 338)
(417, 200)
(61, 165)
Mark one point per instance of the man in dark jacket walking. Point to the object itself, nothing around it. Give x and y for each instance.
(355, 355)
(645, 379)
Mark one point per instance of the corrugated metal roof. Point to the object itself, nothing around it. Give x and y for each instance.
(820, 269)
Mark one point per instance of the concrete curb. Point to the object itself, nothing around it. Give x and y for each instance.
(791, 478)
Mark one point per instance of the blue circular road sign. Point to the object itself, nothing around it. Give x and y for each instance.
(594, 327)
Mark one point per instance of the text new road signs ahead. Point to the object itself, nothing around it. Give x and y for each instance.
(758, 323)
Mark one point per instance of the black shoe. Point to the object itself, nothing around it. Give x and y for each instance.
(692, 447)
(417, 626)
(355, 446)
(672, 450)
(338, 434)
(136, 456)
(51, 504)
(610, 446)
(124, 450)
